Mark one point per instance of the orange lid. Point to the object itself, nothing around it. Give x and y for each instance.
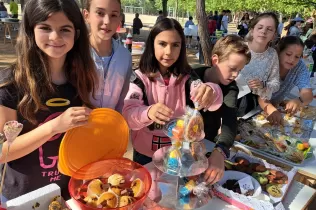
(105, 136)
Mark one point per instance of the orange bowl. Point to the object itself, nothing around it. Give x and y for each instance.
(129, 169)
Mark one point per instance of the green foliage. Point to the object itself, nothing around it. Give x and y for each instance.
(287, 7)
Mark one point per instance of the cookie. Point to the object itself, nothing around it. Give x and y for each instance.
(274, 190)
(256, 167)
(242, 161)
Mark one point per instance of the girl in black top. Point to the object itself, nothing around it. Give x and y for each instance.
(230, 54)
(45, 90)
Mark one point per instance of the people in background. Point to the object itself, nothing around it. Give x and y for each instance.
(243, 25)
(281, 26)
(187, 31)
(160, 16)
(137, 25)
(296, 30)
(219, 20)
(14, 9)
(123, 18)
(3, 11)
(224, 22)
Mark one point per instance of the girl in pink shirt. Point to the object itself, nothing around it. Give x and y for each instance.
(161, 89)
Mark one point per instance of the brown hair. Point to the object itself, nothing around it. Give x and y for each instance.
(31, 74)
(261, 16)
(231, 44)
(149, 65)
(286, 41)
(87, 4)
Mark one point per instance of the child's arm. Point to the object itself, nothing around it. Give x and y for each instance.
(125, 88)
(134, 110)
(205, 91)
(28, 142)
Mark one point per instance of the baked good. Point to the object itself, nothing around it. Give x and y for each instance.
(274, 190)
(126, 200)
(256, 167)
(108, 200)
(194, 128)
(116, 180)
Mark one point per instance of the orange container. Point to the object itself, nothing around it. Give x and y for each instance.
(105, 168)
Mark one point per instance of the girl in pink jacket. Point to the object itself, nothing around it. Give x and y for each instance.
(161, 88)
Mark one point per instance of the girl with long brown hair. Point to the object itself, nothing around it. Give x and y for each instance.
(48, 90)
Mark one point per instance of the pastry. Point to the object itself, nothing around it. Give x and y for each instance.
(116, 180)
(194, 128)
(260, 117)
(138, 188)
(91, 200)
(95, 187)
(108, 200)
(256, 167)
(126, 200)
(274, 190)
(115, 189)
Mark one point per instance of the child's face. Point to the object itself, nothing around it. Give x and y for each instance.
(229, 69)
(167, 46)
(55, 36)
(103, 18)
(290, 56)
(264, 31)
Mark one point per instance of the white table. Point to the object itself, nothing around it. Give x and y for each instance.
(297, 197)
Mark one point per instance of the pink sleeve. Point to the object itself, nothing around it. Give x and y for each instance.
(134, 110)
(217, 92)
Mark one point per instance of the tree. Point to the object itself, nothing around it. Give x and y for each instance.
(203, 31)
(165, 7)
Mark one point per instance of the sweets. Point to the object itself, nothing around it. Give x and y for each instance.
(112, 192)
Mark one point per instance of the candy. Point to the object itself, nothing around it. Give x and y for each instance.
(300, 147)
(306, 145)
(180, 123)
(177, 133)
(187, 189)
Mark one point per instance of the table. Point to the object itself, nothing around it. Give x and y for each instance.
(297, 197)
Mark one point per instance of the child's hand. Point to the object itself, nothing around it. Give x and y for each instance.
(293, 106)
(204, 95)
(275, 118)
(255, 84)
(71, 118)
(160, 113)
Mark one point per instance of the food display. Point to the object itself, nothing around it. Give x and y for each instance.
(186, 156)
(111, 192)
(271, 180)
(289, 143)
(307, 112)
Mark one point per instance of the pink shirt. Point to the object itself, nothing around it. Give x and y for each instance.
(147, 141)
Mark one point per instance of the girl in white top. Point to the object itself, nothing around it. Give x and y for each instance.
(262, 73)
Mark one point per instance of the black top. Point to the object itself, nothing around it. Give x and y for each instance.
(38, 168)
(225, 117)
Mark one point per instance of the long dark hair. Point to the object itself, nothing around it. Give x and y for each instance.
(286, 41)
(31, 72)
(148, 63)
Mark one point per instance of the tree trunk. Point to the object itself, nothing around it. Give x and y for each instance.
(205, 42)
(165, 7)
(22, 2)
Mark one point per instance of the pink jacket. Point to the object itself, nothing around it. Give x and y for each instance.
(147, 141)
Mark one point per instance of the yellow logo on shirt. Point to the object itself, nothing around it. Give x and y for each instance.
(57, 102)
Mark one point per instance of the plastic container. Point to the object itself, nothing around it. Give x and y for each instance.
(129, 169)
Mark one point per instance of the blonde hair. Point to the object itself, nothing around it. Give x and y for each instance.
(231, 44)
